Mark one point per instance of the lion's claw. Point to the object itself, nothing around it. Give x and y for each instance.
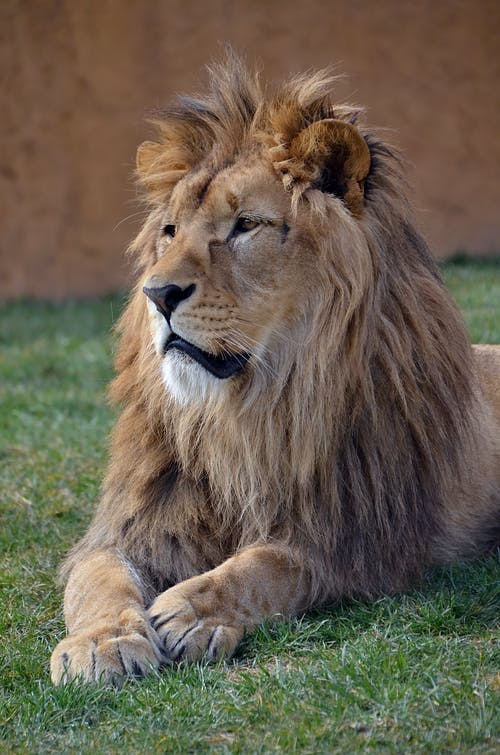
(107, 652)
(187, 636)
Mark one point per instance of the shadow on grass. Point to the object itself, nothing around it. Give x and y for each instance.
(462, 600)
(463, 259)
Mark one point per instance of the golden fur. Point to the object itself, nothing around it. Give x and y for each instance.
(358, 446)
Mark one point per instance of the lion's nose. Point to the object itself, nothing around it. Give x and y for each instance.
(167, 298)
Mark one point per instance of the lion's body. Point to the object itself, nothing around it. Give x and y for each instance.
(331, 432)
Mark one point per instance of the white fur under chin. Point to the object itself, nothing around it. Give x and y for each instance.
(187, 381)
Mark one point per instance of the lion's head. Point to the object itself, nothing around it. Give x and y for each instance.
(245, 194)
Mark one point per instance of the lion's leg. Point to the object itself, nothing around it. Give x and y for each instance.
(109, 634)
(207, 615)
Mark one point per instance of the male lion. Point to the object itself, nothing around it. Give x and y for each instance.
(303, 416)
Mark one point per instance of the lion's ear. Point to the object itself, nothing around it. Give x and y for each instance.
(332, 156)
(159, 168)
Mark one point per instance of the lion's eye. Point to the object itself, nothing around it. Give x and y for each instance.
(245, 224)
(169, 230)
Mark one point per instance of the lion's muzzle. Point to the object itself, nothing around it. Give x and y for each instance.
(167, 298)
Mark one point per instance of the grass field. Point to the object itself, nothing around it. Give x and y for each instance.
(414, 673)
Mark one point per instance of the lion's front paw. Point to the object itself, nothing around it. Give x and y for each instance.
(107, 651)
(186, 632)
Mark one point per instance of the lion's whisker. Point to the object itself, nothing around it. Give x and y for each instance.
(140, 213)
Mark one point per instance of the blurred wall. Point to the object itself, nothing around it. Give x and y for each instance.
(79, 75)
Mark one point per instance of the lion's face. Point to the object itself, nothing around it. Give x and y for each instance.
(238, 267)
(230, 277)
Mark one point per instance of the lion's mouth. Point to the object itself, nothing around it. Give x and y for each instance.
(221, 367)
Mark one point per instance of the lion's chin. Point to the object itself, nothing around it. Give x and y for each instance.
(188, 382)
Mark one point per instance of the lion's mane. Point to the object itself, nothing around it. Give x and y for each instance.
(350, 448)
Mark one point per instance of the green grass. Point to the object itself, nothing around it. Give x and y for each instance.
(414, 673)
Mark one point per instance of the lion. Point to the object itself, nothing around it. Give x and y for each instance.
(303, 417)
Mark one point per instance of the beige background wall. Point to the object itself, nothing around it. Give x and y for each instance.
(79, 75)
